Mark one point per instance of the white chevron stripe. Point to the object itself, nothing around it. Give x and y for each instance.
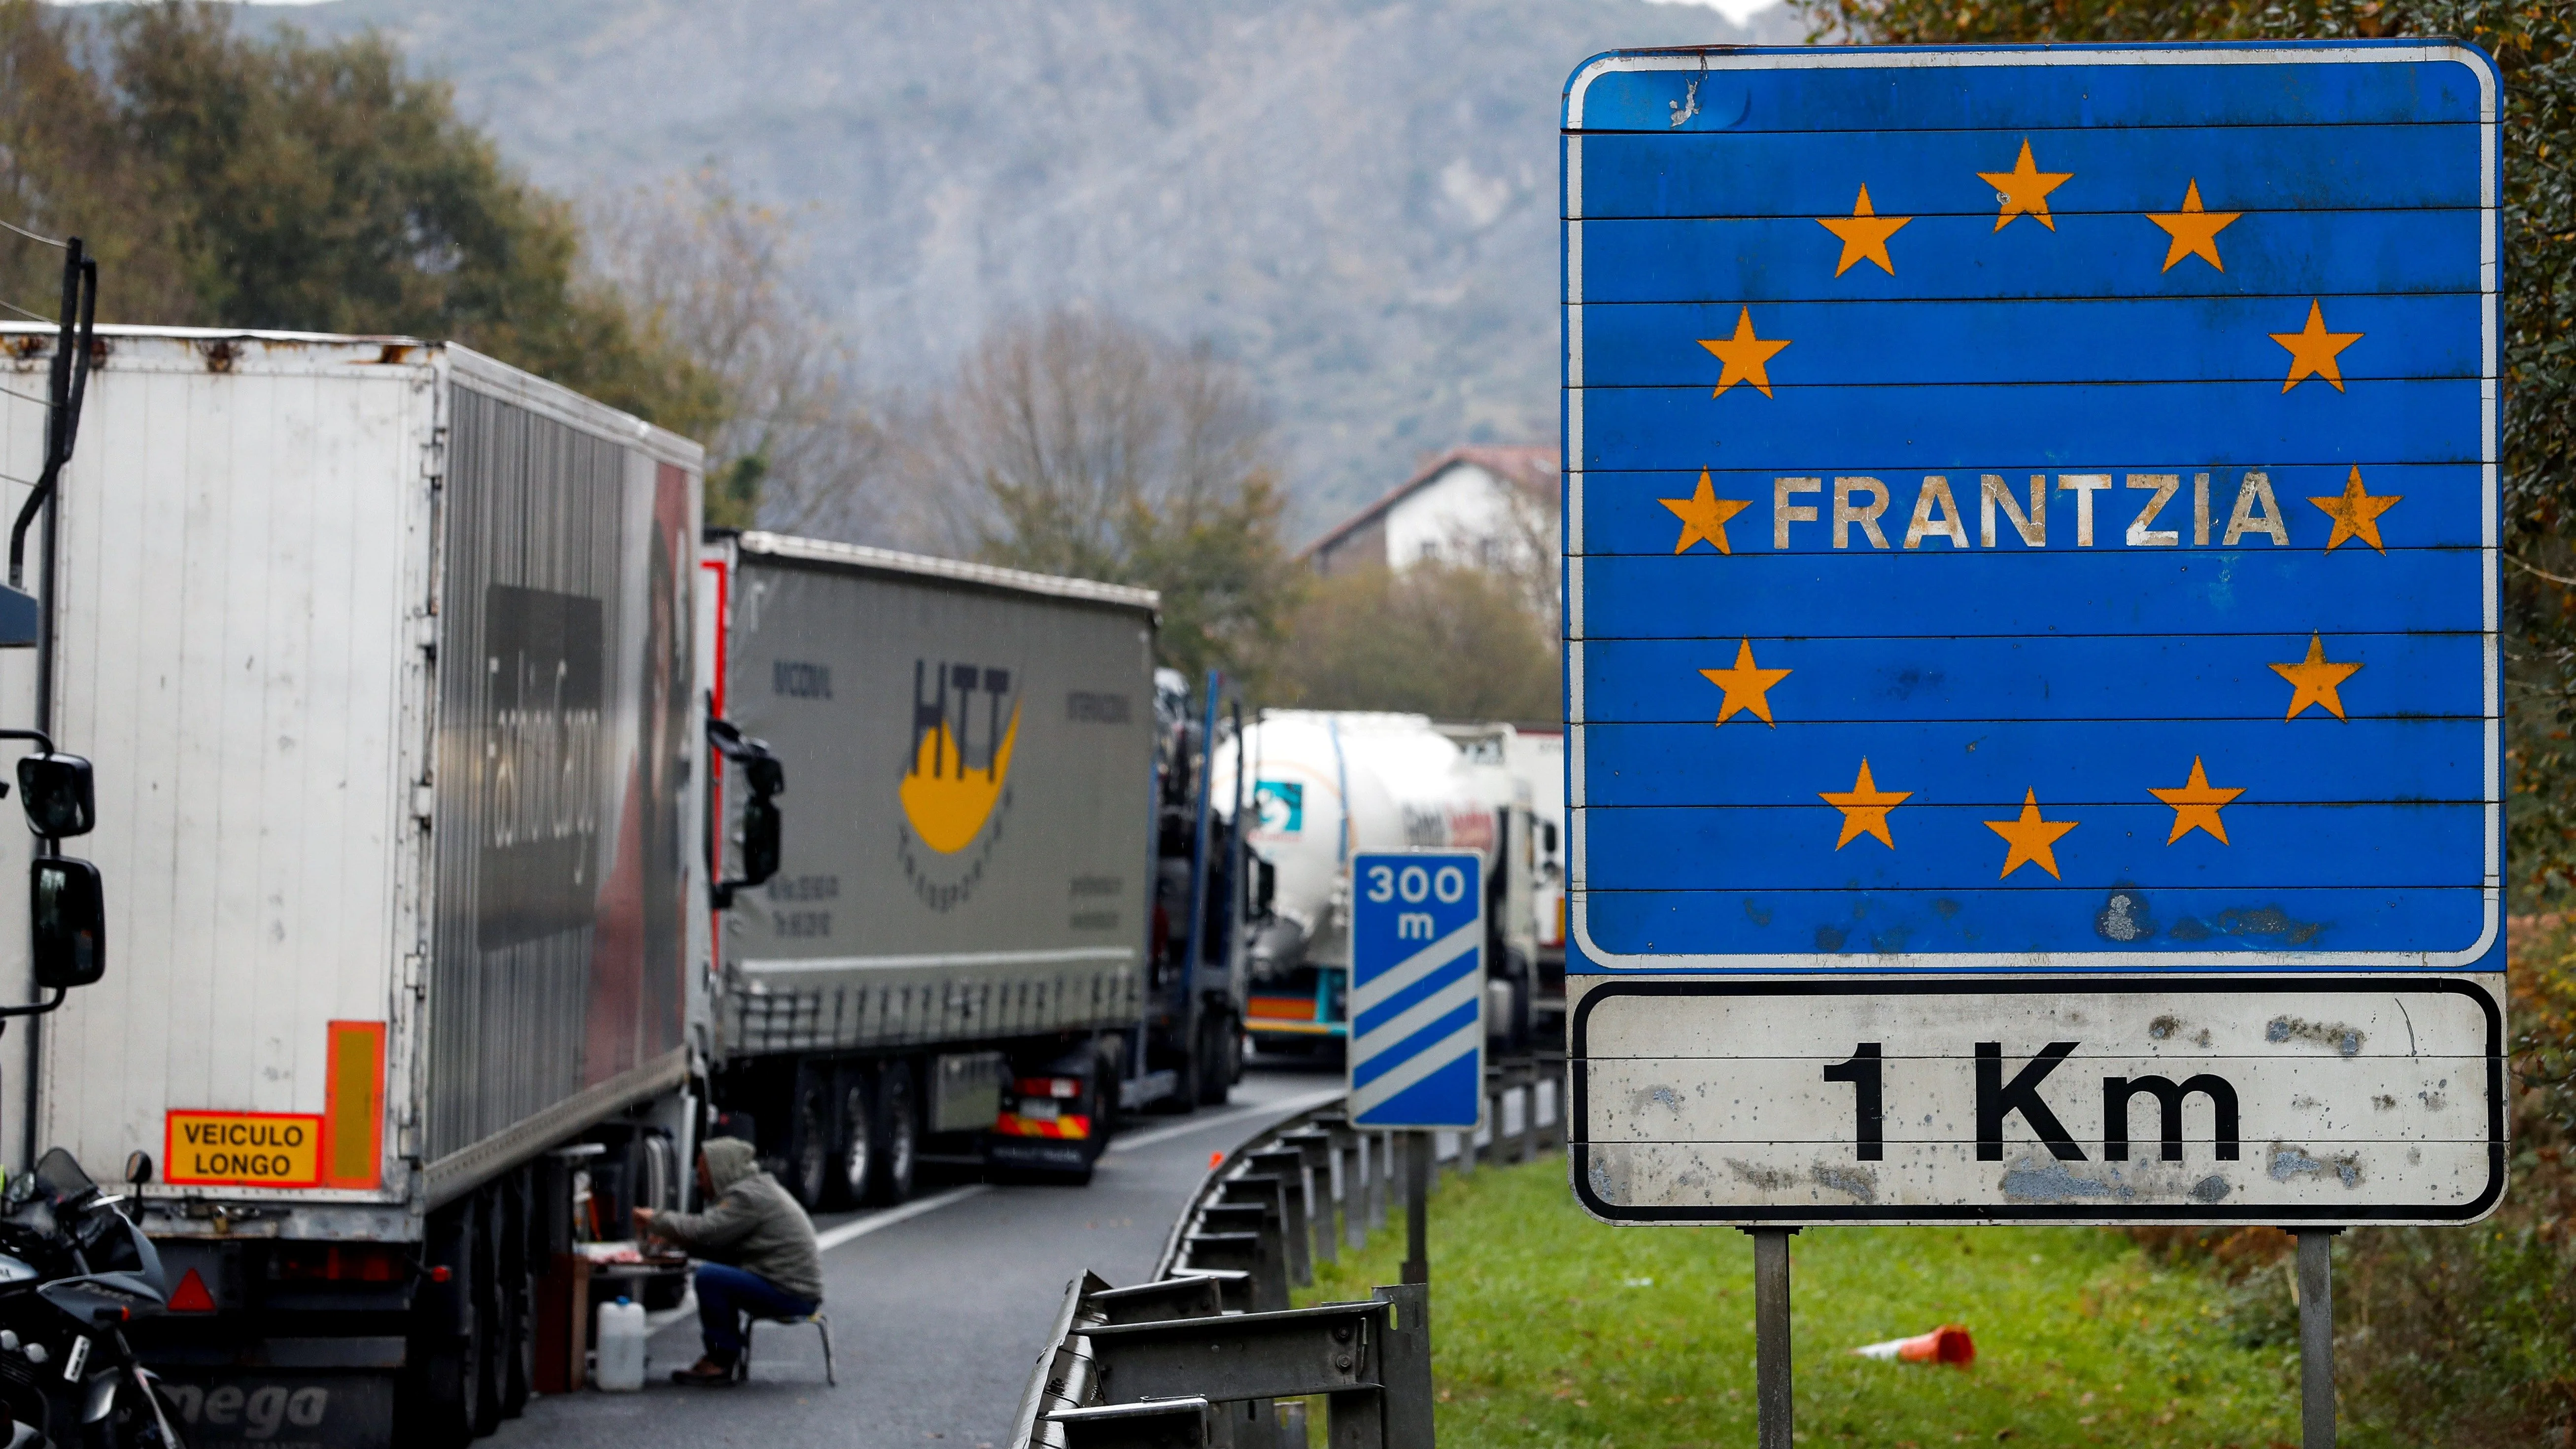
(1462, 1042)
(1410, 971)
(1461, 992)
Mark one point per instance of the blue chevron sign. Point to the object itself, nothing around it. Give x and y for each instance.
(1417, 1006)
(2033, 509)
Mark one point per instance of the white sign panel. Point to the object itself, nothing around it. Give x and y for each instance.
(2275, 1100)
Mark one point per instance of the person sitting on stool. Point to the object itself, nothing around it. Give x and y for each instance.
(757, 1250)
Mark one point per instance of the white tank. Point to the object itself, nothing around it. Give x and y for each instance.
(1330, 785)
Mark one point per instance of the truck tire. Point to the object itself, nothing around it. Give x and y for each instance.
(858, 1154)
(1187, 1073)
(491, 1309)
(810, 1143)
(518, 1295)
(1212, 1060)
(444, 1380)
(897, 1132)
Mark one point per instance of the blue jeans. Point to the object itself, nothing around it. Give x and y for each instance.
(725, 1294)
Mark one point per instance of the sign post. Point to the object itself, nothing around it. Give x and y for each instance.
(1417, 1011)
(2032, 671)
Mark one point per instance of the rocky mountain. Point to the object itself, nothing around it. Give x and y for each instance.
(1354, 198)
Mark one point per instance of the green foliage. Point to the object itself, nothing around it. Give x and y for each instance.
(1550, 1329)
(237, 182)
(733, 491)
(1448, 641)
(2531, 46)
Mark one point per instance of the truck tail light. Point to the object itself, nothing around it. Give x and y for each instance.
(346, 1263)
(1063, 1089)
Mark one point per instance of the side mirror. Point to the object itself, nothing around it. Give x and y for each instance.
(67, 922)
(57, 795)
(767, 777)
(138, 1167)
(759, 840)
(1547, 834)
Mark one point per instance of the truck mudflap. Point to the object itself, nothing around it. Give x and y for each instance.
(283, 1408)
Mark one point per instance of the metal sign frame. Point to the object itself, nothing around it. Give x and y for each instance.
(2454, 955)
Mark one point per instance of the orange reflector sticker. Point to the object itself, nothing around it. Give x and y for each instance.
(354, 1107)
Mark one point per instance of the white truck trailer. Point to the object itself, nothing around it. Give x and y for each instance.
(382, 651)
(1323, 786)
(973, 949)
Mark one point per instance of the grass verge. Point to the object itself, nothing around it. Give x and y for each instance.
(1550, 1329)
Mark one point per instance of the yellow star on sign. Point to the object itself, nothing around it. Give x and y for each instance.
(2023, 191)
(2033, 840)
(2313, 349)
(2195, 804)
(1746, 686)
(2356, 511)
(1704, 516)
(1746, 356)
(2194, 231)
(1865, 808)
(1864, 235)
(2315, 680)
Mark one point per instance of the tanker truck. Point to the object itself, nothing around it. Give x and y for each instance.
(1325, 786)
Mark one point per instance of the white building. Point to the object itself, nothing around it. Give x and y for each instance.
(1489, 507)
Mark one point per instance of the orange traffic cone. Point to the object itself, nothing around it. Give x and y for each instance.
(1947, 1344)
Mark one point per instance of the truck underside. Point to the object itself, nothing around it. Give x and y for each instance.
(279, 1333)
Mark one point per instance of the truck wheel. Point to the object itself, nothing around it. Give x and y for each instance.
(858, 1155)
(1212, 1060)
(518, 1298)
(491, 1310)
(809, 1170)
(444, 1381)
(897, 1135)
(1187, 1074)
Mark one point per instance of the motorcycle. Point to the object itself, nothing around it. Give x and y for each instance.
(73, 1270)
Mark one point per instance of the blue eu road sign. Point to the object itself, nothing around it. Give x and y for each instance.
(1417, 989)
(2033, 509)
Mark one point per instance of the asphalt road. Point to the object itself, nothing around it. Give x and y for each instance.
(938, 1307)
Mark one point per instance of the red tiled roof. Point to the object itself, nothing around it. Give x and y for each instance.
(1530, 467)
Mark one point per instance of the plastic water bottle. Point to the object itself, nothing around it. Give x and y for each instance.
(621, 1346)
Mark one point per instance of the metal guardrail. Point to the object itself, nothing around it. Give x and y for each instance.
(1210, 1353)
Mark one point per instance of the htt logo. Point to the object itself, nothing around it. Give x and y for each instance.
(965, 723)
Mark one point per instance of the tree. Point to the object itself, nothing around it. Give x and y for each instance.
(797, 449)
(2531, 46)
(1451, 641)
(1076, 444)
(66, 170)
(321, 187)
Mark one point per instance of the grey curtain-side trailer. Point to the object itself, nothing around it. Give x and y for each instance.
(971, 954)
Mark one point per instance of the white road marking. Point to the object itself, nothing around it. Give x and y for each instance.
(831, 1238)
(1288, 1107)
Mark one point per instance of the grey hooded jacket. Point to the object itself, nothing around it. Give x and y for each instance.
(752, 1225)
